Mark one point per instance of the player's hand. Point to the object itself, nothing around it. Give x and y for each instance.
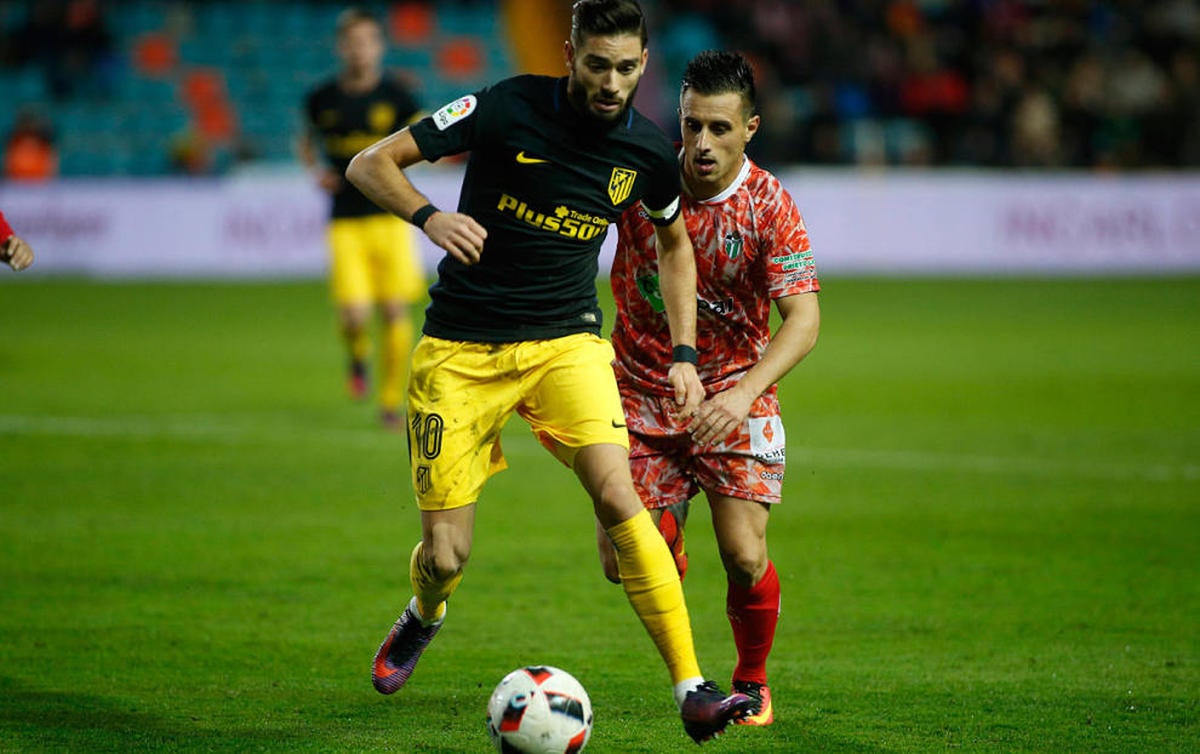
(460, 235)
(329, 181)
(16, 253)
(689, 391)
(720, 416)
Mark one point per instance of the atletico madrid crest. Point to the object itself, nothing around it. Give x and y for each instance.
(620, 184)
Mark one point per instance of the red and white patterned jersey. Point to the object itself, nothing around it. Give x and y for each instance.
(751, 248)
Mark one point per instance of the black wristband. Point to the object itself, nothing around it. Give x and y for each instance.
(685, 353)
(421, 216)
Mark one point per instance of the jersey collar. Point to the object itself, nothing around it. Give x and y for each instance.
(730, 190)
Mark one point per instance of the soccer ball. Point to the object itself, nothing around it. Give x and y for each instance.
(539, 710)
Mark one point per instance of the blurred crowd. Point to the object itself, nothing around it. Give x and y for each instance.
(1084, 84)
(1097, 84)
(69, 40)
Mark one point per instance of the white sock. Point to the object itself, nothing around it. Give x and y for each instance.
(412, 606)
(683, 687)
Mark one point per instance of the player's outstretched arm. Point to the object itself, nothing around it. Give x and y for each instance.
(725, 411)
(378, 172)
(16, 253)
(326, 178)
(677, 276)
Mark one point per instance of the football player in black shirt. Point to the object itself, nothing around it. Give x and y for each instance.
(513, 324)
(374, 260)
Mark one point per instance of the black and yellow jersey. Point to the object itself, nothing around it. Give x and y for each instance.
(545, 181)
(344, 124)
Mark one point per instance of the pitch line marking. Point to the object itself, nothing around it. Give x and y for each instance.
(197, 427)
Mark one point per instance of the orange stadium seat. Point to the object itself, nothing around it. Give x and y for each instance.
(411, 23)
(204, 91)
(155, 54)
(461, 58)
(202, 87)
(217, 122)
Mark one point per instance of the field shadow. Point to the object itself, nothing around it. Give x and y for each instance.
(35, 719)
(54, 720)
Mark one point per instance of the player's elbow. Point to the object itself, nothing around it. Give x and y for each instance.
(366, 166)
(361, 167)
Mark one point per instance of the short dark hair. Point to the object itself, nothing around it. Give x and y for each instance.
(606, 18)
(351, 16)
(716, 72)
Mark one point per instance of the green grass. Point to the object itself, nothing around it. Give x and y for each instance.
(990, 539)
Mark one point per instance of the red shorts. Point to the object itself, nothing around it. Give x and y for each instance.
(669, 468)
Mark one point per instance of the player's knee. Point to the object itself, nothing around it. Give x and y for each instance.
(616, 500)
(605, 476)
(445, 563)
(744, 567)
(394, 312)
(354, 317)
(445, 569)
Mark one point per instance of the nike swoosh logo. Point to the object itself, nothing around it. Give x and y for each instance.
(521, 158)
(617, 426)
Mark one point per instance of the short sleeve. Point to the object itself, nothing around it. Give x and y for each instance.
(790, 265)
(457, 126)
(661, 200)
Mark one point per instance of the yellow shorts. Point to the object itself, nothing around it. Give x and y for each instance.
(374, 259)
(460, 395)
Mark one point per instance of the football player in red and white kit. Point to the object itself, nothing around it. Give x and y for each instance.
(14, 251)
(752, 248)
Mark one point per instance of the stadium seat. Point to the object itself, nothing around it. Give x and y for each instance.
(411, 23)
(155, 54)
(238, 69)
(460, 59)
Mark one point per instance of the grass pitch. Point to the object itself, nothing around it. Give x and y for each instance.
(990, 540)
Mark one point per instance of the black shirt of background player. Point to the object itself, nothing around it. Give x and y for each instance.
(545, 181)
(345, 124)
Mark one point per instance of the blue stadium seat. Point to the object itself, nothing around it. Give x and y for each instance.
(270, 51)
(24, 85)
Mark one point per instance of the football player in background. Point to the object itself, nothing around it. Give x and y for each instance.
(13, 250)
(514, 324)
(374, 260)
(752, 248)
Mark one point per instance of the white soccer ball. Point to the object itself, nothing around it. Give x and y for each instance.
(539, 710)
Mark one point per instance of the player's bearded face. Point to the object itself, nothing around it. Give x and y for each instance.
(605, 71)
(715, 133)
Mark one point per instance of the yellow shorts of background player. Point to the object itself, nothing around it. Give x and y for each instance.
(374, 259)
(460, 395)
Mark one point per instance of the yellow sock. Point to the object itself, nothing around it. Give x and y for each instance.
(397, 343)
(431, 594)
(653, 588)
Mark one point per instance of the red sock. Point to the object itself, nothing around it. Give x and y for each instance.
(753, 614)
